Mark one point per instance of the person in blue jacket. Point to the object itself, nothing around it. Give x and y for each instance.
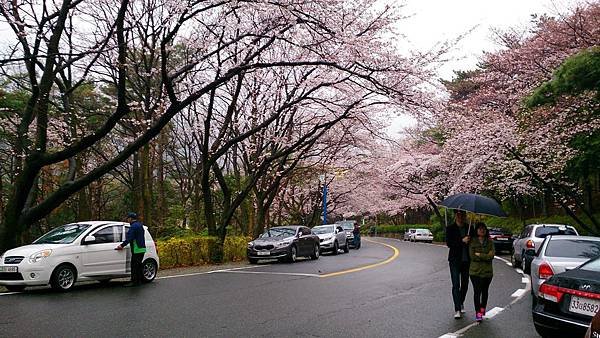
(137, 243)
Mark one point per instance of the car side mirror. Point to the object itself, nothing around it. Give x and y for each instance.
(299, 234)
(89, 239)
(337, 231)
(530, 252)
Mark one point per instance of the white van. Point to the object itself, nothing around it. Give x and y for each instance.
(75, 252)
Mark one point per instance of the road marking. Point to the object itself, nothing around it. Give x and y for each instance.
(394, 256)
(448, 335)
(524, 280)
(211, 271)
(274, 273)
(9, 293)
(519, 271)
(490, 314)
(518, 293)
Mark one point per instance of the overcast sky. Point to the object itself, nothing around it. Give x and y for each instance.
(435, 21)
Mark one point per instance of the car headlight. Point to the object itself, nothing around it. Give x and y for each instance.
(38, 256)
(283, 244)
(328, 239)
(250, 244)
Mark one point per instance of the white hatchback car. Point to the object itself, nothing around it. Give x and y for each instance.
(75, 252)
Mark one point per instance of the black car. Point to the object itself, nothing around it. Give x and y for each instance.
(568, 301)
(284, 243)
(503, 239)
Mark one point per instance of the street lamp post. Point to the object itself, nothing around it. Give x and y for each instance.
(322, 179)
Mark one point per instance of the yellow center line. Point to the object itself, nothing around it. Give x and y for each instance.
(343, 272)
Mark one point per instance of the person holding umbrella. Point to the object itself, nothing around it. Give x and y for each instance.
(458, 236)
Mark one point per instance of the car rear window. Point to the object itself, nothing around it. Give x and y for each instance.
(545, 231)
(573, 248)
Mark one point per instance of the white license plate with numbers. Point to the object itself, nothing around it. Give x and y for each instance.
(584, 306)
(264, 253)
(9, 269)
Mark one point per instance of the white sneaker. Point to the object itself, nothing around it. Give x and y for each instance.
(457, 315)
(462, 309)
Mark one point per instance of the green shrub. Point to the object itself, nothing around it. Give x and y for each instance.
(199, 250)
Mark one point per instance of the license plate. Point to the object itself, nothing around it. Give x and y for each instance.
(9, 269)
(263, 253)
(584, 306)
(502, 239)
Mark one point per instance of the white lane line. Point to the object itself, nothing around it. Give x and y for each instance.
(524, 280)
(519, 271)
(509, 263)
(9, 293)
(273, 273)
(212, 271)
(491, 313)
(518, 293)
(448, 335)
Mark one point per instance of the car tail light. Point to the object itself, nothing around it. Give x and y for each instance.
(530, 244)
(545, 271)
(550, 292)
(555, 293)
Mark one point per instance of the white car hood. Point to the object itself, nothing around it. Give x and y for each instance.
(326, 236)
(28, 250)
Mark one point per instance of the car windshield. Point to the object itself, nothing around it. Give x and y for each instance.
(279, 232)
(63, 235)
(347, 226)
(322, 230)
(544, 231)
(573, 248)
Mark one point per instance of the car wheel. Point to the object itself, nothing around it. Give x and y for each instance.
(515, 263)
(63, 278)
(346, 247)
(252, 260)
(15, 288)
(526, 264)
(316, 252)
(335, 248)
(149, 271)
(293, 254)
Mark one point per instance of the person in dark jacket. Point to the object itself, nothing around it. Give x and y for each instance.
(458, 235)
(356, 233)
(481, 250)
(137, 243)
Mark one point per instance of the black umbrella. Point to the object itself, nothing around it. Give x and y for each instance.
(474, 203)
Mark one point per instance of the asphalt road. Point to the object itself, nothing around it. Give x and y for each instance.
(372, 292)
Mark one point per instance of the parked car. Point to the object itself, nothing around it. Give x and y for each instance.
(284, 243)
(348, 227)
(422, 235)
(503, 239)
(408, 234)
(332, 237)
(568, 301)
(531, 238)
(72, 253)
(558, 254)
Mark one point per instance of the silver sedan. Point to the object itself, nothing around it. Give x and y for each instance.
(332, 237)
(558, 254)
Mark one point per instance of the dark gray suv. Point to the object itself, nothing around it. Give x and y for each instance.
(284, 243)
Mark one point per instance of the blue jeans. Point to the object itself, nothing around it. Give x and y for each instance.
(357, 241)
(459, 273)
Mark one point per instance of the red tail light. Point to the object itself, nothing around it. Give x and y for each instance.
(551, 293)
(545, 271)
(554, 293)
(530, 244)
